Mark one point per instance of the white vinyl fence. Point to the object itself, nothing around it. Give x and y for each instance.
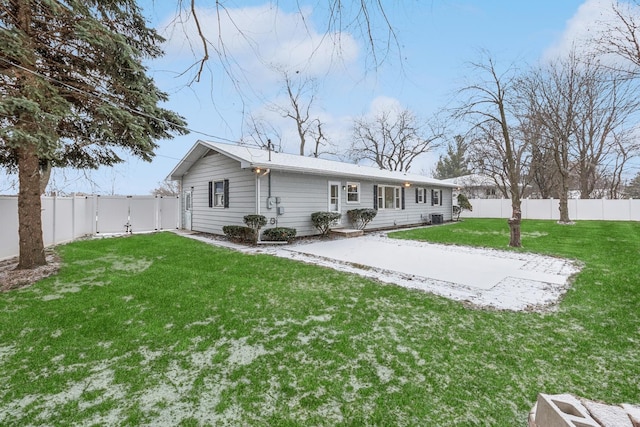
(579, 209)
(65, 219)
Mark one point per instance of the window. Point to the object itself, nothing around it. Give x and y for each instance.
(219, 194)
(436, 197)
(419, 195)
(388, 197)
(353, 192)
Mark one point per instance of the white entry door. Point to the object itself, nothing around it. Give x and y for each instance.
(188, 206)
(334, 197)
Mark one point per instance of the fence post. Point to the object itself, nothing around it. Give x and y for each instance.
(54, 219)
(73, 217)
(94, 207)
(158, 212)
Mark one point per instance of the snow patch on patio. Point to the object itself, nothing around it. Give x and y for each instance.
(473, 275)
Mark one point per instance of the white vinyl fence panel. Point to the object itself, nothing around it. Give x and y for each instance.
(65, 219)
(579, 209)
(9, 226)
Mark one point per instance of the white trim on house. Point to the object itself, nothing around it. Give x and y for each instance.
(352, 189)
(334, 200)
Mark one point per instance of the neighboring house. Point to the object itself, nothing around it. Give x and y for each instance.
(476, 186)
(221, 183)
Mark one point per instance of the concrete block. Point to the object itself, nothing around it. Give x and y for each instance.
(562, 410)
(607, 415)
(347, 232)
(633, 412)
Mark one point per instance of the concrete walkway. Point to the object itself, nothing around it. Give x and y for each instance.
(482, 277)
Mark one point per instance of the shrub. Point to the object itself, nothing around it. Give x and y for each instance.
(323, 220)
(255, 222)
(279, 234)
(463, 205)
(239, 233)
(361, 217)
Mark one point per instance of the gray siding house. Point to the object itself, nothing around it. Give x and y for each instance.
(221, 183)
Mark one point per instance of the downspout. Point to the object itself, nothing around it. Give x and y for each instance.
(257, 194)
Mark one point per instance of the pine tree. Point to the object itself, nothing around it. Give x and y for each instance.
(455, 163)
(74, 92)
(632, 190)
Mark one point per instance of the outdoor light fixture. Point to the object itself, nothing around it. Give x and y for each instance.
(406, 184)
(344, 188)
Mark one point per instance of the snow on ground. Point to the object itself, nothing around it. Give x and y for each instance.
(483, 277)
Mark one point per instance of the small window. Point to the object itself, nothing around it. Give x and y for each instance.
(419, 195)
(436, 197)
(218, 194)
(353, 192)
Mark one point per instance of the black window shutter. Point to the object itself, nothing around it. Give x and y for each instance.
(375, 197)
(441, 198)
(402, 197)
(226, 193)
(432, 195)
(417, 191)
(424, 199)
(210, 194)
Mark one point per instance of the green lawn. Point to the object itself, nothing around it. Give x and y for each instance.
(163, 330)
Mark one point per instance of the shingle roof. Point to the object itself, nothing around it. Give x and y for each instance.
(258, 158)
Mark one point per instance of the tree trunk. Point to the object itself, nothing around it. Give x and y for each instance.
(45, 176)
(514, 227)
(29, 209)
(564, 203)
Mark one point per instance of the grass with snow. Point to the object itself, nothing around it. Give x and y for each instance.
(162, 330)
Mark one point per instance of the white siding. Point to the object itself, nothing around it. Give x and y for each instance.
(216, 167)
(301, 194)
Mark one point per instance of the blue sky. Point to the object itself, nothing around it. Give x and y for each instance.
(437, 38)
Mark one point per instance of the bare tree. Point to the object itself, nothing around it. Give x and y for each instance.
(620, 37)
(261, 133)
(543, 172)
(552, 95)
(625, 148)
(491, 108)
(393, 139)
(301, 94)
(367, 19)
(167, 188)
(607, 102)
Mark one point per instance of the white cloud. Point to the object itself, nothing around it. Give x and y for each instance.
(583, 27)
(383, 104)
(259, 39)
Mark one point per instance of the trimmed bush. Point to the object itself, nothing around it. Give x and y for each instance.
(323, 220)
(279, 234)
(255, 222)
(361, 217)
(239, 233)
